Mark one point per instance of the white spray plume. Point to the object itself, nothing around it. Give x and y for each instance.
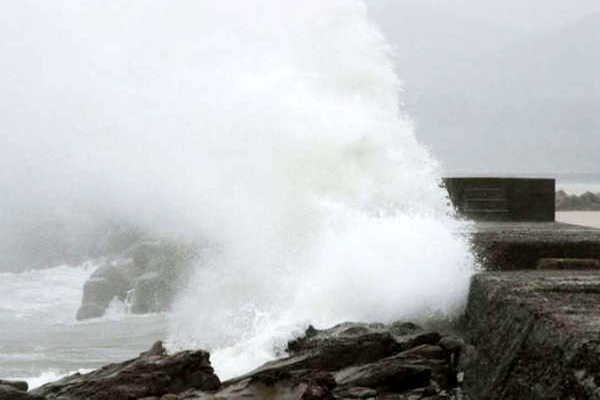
(271, 127)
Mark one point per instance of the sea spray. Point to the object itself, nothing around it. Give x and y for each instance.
(270, 129)
(337, 214)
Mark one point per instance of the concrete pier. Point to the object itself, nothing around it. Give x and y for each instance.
(536, 335)
(534, 327)
(503, 199)
(504, 246)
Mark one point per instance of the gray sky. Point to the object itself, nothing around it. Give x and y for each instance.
(530, 14)
(500, 86)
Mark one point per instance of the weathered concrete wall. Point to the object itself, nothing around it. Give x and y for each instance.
(536, 335)
(503, 199)
(520, 245)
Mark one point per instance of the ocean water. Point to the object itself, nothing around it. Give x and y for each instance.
(40, 341)
(271, 130)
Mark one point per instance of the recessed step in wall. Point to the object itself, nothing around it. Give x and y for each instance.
(485, 204)
(485, 193)
(488, 215)
(523, 199)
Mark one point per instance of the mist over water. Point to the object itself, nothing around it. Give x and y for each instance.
(271, 130)
(336, 211)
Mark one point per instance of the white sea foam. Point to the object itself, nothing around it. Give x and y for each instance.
(272, 129)
(51, 295)
(48, 376)
(330, 210)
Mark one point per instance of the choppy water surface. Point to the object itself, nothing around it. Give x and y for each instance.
(273, 130)
(39, 338)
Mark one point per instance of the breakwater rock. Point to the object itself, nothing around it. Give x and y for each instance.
(146, 276)
(16, 390)
(536, 335)
(504, 246)
(152, 374)
(352, 361)
(348, 361)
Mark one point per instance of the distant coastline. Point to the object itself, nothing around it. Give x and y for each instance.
(578, 183)
(587, 201)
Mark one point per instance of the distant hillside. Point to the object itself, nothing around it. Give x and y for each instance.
(585, 202)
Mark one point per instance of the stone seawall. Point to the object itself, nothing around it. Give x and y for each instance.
(503, 199)
(503, 246)
(536, 335)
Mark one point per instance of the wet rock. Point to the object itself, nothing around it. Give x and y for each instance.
(144, 252)
(271, 385)
(10, 392)
(90, 310)
(152, 374)
(105, 284)
(357, 343)
(452, 344)
(149, 293)
(394, 375)
(157, 349)
(349, 361)
(20, 385)
(356, 392)
(145, 276)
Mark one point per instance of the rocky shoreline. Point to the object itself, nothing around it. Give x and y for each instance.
(524, 335)
(348, 361)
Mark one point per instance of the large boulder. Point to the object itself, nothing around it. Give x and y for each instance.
(353, 360)
(145, 276)
(349, 361)
(10, 392)
(20, 385)
(152, 374)
(16, 390)
(105, 284)
(151, 293)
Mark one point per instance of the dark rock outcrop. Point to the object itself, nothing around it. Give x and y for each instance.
(20, 385)
(348, 361)
(16, 390)
(152, 374)
(9, 391)
(149, 293)
(352, 360)
(145, 276)
(105, 284)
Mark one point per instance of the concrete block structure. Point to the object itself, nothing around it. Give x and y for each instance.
(503, 199)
